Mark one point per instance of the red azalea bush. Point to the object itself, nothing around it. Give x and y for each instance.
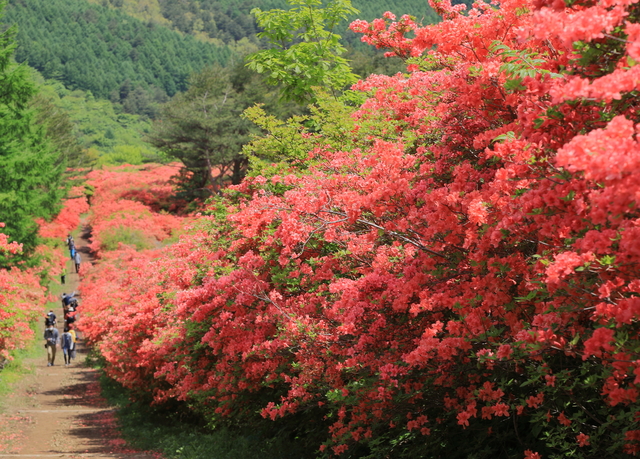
(53, 257)
(121, 306)
(460, 279)
(125, 207)
(66, 221)
(21, 301)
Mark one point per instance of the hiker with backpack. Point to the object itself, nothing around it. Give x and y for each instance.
(70, 316)
(67, 299)
(50, 319)
(66, 344)
(51, 337)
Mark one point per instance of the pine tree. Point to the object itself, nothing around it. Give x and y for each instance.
(30, 168)
(203, 128)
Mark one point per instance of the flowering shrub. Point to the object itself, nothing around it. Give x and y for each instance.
(126, 207)
(461, 268)
(66, 221)
(52, 255)
(21, 301)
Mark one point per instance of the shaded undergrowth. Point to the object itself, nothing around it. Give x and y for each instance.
(175, 432)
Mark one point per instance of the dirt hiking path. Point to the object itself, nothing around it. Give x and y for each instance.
(58, 411)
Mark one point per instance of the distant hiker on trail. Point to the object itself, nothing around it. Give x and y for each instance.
(70, 242)
(77, 261)
(72, 251)
(50, 319)
(74, 337)
(51, 336)
(66, 344)
(67, 299)
(70, 317)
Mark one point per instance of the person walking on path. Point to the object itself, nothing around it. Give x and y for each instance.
(50, 318)
(67, 299)
(51, 336)
(77, 260)
(72, 251)
(66, 343)
(74, 338)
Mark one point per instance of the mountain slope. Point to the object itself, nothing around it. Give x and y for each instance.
(95, 48)
(230, 20)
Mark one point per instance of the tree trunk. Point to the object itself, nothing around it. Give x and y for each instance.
(239, 170)
(210, 177)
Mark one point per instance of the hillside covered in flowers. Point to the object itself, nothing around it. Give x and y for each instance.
(449, 268)
(439, 263)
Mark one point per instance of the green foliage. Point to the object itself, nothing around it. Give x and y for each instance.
(520, 64)
(178, 434)
(370, 61)
(128, 154)
(305, 51)
(230, 20)
(100, 129)
(285, 145)
(94, 48)
(60, 131)
(30, 166)
(137, 100)
(203, 129)
(111, 239)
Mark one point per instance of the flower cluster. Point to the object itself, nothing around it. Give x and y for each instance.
(21, 301)
(130, 206)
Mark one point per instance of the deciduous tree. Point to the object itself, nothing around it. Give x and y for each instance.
(305, 49)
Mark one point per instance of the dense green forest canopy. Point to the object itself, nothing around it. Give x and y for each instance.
(94, 48)
(231, 20)
(139, 53)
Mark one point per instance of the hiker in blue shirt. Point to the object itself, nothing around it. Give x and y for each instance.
(51, 336)
(67, 299)
(50, 318)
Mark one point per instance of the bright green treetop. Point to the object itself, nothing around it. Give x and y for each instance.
(305, 52)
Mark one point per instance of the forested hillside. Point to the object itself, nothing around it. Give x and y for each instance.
(105, 134)
(230, 20)
(95, 48)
